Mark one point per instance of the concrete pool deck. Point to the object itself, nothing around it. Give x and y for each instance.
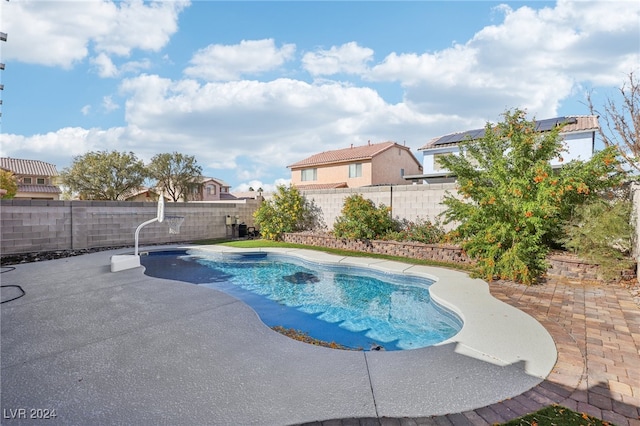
(102, 347)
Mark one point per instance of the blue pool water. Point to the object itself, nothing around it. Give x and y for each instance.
(355, 307)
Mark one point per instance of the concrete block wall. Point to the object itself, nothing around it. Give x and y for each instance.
(47, 225)
(26, 223)
(406, 201)
(635, 217)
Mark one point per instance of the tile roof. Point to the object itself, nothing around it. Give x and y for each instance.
(28, 167)
(354, 153)
(50, 189)
(219, 181)
(323, 186)
(582, 123)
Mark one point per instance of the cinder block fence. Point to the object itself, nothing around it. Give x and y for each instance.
(45, 225)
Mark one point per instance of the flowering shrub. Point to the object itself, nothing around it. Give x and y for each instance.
(287, 211)
(361, 219)
(511, 203)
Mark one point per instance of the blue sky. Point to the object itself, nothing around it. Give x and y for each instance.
(251, 87)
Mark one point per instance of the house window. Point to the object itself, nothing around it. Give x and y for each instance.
(211, 190)
(436, 163)
(355, 170)
(401, 172)
(40, 181)
(26, 180)
(309, 174)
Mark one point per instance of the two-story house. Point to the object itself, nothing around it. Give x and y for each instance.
(211, 189)
(206, 189)
(383, 163)
(578, 134)
(35, 179)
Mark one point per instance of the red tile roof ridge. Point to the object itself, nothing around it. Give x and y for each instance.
(362, 152)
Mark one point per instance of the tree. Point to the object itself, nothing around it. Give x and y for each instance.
(511, 203)
(104, 175)
(8, 183)
(623, 122)
(177, 174)
(287, 211)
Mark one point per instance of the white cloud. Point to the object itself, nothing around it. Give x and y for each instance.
(140, 25)
(61, 146)
(59, 33)
(108, 104)
(533, 60)
(244, 126)
(105, 66)
(85, 110)
(229, 62)
(349, 58)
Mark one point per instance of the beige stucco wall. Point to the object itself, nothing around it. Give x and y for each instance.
(334, 174)
(387, 167)
(36, 196)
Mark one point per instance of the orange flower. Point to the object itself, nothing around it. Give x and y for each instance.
(528, 214)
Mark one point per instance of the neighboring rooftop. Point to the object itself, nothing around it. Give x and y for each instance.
(323, 186)
(354, 153)
(28, 167)
(574, 123)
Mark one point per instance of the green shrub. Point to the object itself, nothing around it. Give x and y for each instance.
(600, 231)
(287, 211)
(511, 204)
(422, 231)
(361, 219)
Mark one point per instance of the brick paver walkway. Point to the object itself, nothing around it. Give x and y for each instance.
(597, 332)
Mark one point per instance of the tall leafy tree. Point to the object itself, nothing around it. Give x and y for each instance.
(104, 175)
(177, 174)
(8, 183)
(511, 204)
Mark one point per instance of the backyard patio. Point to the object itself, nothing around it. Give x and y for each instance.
(101, 368)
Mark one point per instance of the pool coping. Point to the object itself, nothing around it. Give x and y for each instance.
(492, 330)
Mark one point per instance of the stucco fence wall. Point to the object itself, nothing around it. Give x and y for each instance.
(43, 225)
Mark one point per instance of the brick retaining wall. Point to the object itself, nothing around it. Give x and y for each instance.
(566, 267)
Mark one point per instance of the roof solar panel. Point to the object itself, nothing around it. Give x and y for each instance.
(541, 126)
(550, 123)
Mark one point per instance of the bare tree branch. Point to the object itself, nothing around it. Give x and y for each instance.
(622, 122)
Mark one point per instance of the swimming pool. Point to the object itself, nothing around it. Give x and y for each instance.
(355, 307)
